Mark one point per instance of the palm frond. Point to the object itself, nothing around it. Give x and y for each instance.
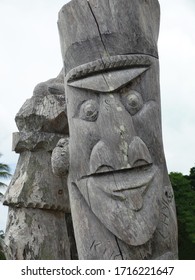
(4, 174)
(1, 197)
(4, 167)
(2, 185)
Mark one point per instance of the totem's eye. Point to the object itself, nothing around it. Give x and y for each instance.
(132, 101)
(89, 111)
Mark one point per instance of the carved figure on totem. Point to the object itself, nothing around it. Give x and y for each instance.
(121, 198)
(37, 199)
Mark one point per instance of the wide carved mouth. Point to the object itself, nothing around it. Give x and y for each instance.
(115, 181)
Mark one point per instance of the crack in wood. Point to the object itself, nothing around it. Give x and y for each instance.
(92, 12)
(120, 251)
(92, 245)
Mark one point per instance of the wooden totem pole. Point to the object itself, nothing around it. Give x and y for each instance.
(37, 199)
(121, 198)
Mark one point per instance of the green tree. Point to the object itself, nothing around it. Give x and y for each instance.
(185, 205)
(4, 174)
(192, 177)
(2, 256)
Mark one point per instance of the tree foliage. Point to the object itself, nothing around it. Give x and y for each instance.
(4, 174)
(2, 256)
(191, 177)
(185, 205)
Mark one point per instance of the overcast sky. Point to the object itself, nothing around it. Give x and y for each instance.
(30, 53)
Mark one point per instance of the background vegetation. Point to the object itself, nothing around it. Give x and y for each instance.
(4, 174)
(184, 189)
(2, 256)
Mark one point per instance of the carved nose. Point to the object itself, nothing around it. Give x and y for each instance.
(103, 159)
(119, 147)
(138, 153)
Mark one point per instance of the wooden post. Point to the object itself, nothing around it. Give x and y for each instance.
(121, 198)
(38, 199)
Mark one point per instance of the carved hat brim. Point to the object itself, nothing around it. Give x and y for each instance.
(98, 29)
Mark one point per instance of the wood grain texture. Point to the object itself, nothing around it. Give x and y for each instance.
(30, 235)
(38, 199)
(117, 175)
(91, 30)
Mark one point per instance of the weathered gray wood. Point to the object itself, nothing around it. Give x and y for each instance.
(36, 234)
(46, 110)
(118, 179)
(108, 82)
(121, 198)
(34, 141)
(60, 158)
(74, 51)
(35, 186)
(127, 26)
(101, 242)
(38, 199)
(107, 28)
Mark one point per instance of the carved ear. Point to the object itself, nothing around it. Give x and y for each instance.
(108, 81)
(60, 157)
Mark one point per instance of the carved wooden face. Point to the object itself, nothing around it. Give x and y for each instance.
(116, 153)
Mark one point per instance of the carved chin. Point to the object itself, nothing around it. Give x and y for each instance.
(126, 202)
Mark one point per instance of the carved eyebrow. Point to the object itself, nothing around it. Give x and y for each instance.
(108, 81)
